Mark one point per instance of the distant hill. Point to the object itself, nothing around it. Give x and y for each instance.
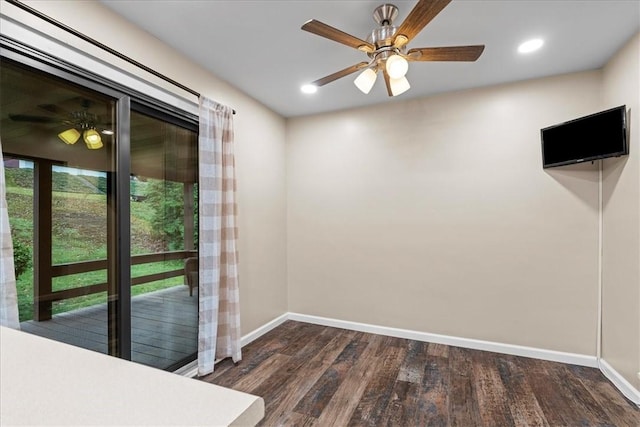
(64, 182)
(78, 210)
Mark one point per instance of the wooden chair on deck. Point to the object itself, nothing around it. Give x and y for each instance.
(191, 273)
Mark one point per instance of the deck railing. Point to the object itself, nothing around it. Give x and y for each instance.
(42, 303)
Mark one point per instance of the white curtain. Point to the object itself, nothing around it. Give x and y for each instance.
(219, 299)
(8, 294)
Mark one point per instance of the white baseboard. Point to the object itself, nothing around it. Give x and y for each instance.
(191, 369)
(516, 350)
(620, 382)
(258, 332)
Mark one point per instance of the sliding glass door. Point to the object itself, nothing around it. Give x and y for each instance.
(101, 202)
(164, 170)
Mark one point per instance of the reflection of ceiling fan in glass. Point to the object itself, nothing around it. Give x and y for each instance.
(84, 122)
(80, 123)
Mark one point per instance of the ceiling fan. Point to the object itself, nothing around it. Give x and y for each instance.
(78, 123)
(386, 47)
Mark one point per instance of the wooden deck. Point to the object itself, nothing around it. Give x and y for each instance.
(164, 327)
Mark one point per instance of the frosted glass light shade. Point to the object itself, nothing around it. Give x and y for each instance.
(69, 136)
(399, 86)
(365, 80)
(396, 66)
(92, 139)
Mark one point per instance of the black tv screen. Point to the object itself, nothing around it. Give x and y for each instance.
(592, 137)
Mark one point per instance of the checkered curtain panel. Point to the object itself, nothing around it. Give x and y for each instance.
(219, 323)
(8, 294)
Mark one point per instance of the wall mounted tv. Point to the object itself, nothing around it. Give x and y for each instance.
(592, 137)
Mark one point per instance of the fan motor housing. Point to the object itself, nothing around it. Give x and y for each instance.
(382, 36)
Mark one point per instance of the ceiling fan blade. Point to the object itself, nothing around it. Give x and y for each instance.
(32, 119)
(387, 81)
(451, 53)
(52, 108)
(418, 18)
(335, 76)
(327, 31)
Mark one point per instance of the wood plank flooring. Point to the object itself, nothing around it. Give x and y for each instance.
(164, 327)
(315, 375)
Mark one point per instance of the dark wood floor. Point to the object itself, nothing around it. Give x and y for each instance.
(315, 375)
(164, 327)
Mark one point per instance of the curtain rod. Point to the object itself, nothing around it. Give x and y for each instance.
(102, 46)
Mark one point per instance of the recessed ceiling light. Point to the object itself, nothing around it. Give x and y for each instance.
(309, 88)
(530, 45)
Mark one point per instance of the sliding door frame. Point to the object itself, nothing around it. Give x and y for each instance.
(120, 257)
(118, 216)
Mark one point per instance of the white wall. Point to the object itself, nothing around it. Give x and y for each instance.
(621, 226)
(436, 215)
(259, 137)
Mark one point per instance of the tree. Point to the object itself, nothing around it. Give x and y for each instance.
(167, 220)
(21, 231)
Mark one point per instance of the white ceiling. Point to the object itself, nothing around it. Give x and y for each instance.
(258, 47)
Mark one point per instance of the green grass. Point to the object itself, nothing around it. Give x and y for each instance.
(19, 190)
(24, 286)
(79, 234)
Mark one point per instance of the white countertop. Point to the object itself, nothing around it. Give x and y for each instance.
(45, 382)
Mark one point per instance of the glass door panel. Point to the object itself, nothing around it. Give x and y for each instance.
(164, 304)
(61, 136)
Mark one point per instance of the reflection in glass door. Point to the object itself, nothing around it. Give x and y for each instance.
(164, 306)
(58, 145)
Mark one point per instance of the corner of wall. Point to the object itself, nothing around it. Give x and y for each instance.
(620, 299)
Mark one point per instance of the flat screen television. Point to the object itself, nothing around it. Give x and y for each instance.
(592, 137)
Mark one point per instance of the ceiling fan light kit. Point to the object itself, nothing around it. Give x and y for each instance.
(79, 123)
(69, 136)
(386, 47)
(90, 136)
(399, 85)
(365, 80)
(92, 139)
(396, 66)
